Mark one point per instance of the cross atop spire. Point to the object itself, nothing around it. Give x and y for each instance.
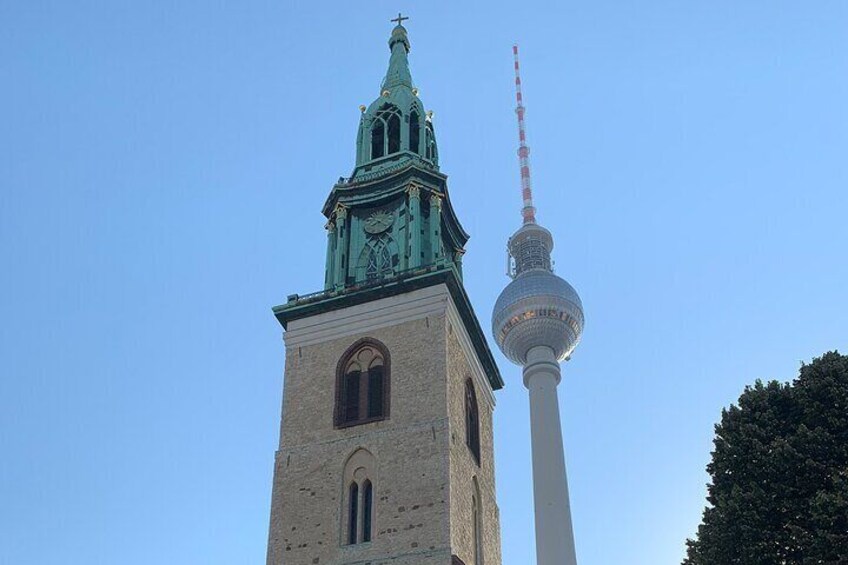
(400, 19)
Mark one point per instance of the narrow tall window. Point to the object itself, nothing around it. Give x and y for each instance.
(375, 389)
(394, 134)
(367, 503)
(414, 131)
(472, 421)
(431, 153)
(477, 523)
(359, 504)
(353, 513)
(378, 134)
(351, 403)
(362, 384)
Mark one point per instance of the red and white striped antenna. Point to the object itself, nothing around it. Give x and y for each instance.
(528, 212)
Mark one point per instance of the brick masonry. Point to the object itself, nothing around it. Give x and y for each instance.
(425, 473)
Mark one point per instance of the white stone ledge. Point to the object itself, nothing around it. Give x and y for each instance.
(364, 318)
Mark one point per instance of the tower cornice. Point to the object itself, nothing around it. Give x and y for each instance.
(299, 307)
(384, 188)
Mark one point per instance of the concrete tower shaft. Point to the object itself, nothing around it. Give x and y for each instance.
(537, 322)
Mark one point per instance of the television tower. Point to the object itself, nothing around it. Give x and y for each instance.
(537, 322)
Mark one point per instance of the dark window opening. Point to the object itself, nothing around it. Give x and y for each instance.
(377, 139)
(429, 142)
(362, 384)
(351, 405)
(385, 132)
(375, 392)
(353, 513)
(414, 131)
(367, 503)
(472, 421)
(394, 134)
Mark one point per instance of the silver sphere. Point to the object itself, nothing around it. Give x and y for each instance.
(537, 308)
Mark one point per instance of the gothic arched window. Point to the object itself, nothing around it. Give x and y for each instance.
(362, 384)
(358, 500)
(379, 263)
(472, 421)
(385, 131)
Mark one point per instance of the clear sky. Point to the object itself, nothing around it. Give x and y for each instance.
(162, 170)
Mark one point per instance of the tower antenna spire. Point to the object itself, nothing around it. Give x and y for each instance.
(528, 212)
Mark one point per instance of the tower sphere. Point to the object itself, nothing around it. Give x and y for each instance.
(537, 308)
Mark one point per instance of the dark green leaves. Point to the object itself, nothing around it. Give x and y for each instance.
(779, 490)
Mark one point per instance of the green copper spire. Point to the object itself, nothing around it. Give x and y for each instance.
(392, 216)
(398, 73)
(395, 128)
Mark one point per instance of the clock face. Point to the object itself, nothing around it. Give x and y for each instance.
(378, 222)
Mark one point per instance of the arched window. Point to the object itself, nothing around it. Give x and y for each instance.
(353, 513)
(379, 263)
(431, 152)
(367, 503)
(414, 131)
(362, 384)
(358, 498)
(472, 421)
(385, 131)
(477, 523)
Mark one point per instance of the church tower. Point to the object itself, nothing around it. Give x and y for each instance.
(386, 449)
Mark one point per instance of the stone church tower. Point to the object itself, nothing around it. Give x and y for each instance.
(386, 451)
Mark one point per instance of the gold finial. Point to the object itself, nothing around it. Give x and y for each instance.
(362, 107)
(386, 93)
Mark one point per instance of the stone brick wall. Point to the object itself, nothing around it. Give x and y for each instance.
(463, 466)
(418, 449)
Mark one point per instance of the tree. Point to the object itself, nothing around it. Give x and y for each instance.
(779, 488)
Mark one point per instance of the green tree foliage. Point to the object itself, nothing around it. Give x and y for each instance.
(779, 490)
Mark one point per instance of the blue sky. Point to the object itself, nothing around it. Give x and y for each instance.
(162, 169)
